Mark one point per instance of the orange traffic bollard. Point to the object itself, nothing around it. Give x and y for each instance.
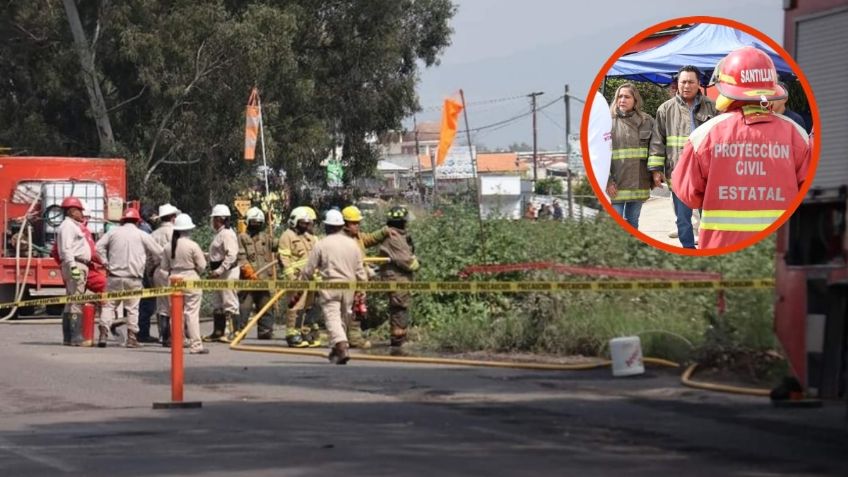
(177, 302)
(88, 324)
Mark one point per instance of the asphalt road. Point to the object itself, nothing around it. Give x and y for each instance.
(73, 411)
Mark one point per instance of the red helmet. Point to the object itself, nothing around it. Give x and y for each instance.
(131, 215)
(748, 74)
(71, 202)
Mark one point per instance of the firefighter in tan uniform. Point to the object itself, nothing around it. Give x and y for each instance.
(400, 250)
(256, 251)
(75, 257)
(337, 258)
(162, 236)
(352, 218)
(125, 250)
(223, 262)
(184, 259)
(293, 249)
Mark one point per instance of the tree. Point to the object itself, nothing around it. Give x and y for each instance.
(652, 95)
(549, 186)
(519, 147)
(175, 77)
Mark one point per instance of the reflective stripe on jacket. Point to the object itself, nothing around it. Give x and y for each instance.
(631, 135)
(743, 168)
(672, 127)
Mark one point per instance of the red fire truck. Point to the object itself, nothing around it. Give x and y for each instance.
(811, 312)
(31, 191)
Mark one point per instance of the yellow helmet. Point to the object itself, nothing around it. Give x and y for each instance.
(352, 213)
(311, 212)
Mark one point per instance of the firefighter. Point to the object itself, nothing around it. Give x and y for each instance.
(675, 120)
(75, 257)
(223, 262)
(293, 249)
(629, 183)
(184, 259)
(352, 218)
(400, 250)
(337, 258)
(162, 236)
(256, 250)
(125, 251)
(745, 166)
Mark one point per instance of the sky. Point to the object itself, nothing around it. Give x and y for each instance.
(503, 50)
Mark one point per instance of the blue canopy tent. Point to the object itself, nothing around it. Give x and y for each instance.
(704, 45)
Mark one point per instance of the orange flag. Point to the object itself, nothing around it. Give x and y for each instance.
(450, 113)
(251, 126)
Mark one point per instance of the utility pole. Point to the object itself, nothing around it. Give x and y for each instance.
(417, 154)
(535, 133)
(568, 152)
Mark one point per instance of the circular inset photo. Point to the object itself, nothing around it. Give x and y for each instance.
(700, 136)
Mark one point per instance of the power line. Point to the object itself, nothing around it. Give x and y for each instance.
(514, 118)
(477, 103)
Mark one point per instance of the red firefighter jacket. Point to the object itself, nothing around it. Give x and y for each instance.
(743, 168)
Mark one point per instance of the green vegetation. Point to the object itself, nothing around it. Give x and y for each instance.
(175, 77)
(549, 186)
(580, 322)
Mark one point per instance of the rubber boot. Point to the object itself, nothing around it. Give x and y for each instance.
(76, 329)
(339, 353)
(219, 326)
(265, 327)
(228, 329)
(103, 335)
(132, 339)
(165, 330)
(313, 336)
(396, 344)
(354, 336)
(295, 339)
(66, 329)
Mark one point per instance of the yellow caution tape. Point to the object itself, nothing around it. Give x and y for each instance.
(426, 287)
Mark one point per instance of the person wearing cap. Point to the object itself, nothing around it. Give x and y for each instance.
(779, 107)
(400, 250)
(162, 236)
(337, 258)
(293, 248)
(75, 256)
(125, 251)
(675, 120)
(183, 259)
(352, 218)
(745, 166)
(255, 253)
(223, 264)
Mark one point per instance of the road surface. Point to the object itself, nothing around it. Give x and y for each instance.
(74, 411)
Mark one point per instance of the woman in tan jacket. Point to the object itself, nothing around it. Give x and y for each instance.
(184, 259)
(629, 181)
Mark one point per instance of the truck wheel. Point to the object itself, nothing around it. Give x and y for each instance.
(7, 295)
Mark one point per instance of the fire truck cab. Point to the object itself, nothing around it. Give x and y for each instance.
(31, 193)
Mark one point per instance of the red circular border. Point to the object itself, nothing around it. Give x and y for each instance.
(814, 153)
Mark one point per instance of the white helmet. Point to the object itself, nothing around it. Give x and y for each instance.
(220, 210)
(255, 213)
(168, 209)
(333, 217)
(298, 214)
(183, 222)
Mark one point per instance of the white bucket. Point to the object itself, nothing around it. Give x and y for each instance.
(626, 354)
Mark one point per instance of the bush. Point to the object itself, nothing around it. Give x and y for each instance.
(669, 323)
(549, 186)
